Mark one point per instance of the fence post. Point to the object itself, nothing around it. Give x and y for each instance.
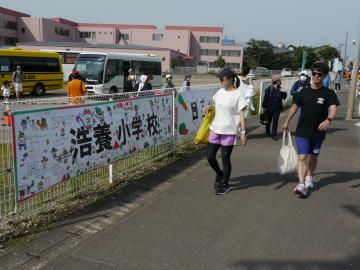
(111, 175)
(174, 120)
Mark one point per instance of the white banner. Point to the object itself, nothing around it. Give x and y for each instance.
(56, 144)
(190, 106)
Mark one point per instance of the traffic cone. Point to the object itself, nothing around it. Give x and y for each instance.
(7, 116)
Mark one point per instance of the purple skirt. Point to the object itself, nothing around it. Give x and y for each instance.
(223, 139)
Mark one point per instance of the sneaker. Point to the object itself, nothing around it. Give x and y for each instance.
(223, 190)
(301, 190)
(218, 180)
(309, 182)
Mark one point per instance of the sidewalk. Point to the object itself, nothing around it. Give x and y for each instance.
(176, 221)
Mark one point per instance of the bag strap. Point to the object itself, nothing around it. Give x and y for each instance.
(289, 139)
(289, 142)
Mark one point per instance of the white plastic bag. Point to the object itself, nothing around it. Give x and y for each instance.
(288, 159)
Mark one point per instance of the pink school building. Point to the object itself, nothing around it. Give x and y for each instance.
(185, 45)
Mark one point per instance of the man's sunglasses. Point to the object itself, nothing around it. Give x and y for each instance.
(314, 74)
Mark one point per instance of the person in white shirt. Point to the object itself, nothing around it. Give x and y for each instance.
(5, 89)
(17, 80)
(230, 107)
(186, 83)
(247, 88)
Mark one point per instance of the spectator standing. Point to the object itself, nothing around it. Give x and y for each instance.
(247, 88)
(338, 79)
(186, 83)
(168, 82)
(272, 105)
(148, 83)
(17, 81)
(76, 88)
(327, 81)
(348, 77)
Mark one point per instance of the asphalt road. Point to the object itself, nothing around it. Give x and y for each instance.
(259, 225)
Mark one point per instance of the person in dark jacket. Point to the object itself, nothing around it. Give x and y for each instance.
(304, 81)
(272, 105)
(148, 83)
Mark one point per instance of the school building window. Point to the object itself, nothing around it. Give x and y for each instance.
(233, 65)
(62, 32)
(87, 34)
(9, 25)
(209, 52)
(209, 39)
(9, 40)
(157, 37)
(234, 53)
(124, 37)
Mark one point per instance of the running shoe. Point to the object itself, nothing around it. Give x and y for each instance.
(223, 190)
(301, 190)
(309, 184)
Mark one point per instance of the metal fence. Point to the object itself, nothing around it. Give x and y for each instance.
(93, 181)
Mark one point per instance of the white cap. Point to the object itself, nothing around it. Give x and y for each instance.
(168, 76)
(143, 78)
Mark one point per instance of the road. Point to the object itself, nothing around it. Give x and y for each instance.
(173, 220)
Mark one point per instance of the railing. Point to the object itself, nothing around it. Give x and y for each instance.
(96, 180)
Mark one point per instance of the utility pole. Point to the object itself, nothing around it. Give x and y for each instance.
(346, 44)
(355, 71)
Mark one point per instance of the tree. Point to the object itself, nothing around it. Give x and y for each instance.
(327, 53)
(220, 62)
(259, 53)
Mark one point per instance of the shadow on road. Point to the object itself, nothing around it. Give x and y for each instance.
(271, 178)
(350, 263)
(352, 209)
(262, 180)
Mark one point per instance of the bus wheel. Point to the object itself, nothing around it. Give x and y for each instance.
(113, 90)
(39, 89)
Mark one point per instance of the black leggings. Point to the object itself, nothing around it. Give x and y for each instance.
(225, 156)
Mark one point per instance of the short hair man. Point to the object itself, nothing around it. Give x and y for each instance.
(318, 108)
(76, 88)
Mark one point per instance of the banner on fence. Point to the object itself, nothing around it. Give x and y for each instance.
(190, 113)
(55, 144)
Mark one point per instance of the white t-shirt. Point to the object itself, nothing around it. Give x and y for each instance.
(228, 105)
(5, 90)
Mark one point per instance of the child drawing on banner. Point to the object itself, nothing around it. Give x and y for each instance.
(21, 141)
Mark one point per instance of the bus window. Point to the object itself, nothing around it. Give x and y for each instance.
(51, 65)
(70, 58)
(114, 68)
(14, 62)
(4, 64)
(146, 67)
(32, 64)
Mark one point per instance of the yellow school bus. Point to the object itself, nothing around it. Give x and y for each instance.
(42, 70)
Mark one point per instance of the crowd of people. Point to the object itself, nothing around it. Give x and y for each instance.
(313, 102)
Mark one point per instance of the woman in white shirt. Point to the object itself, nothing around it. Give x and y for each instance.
(230, 107)
(247, 88)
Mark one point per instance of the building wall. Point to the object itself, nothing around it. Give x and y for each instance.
(103, 35)
(175, 40)
(7, 32)
(48, 28)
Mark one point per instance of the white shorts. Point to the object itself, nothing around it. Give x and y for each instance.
(18, 87)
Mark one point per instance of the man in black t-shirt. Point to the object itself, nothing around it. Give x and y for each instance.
(318, 108)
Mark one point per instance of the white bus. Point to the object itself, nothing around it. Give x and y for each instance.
(107, 72)
(68, 59)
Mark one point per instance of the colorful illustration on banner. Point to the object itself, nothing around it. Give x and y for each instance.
(42, 124)
(182, 102)
(182, 129)
(21, 140)
(194, 111)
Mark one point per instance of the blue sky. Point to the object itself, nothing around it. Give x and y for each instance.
(305, 22)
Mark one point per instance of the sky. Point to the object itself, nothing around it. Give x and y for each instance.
(298, 22)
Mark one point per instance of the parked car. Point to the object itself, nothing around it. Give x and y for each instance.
(286, 72)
